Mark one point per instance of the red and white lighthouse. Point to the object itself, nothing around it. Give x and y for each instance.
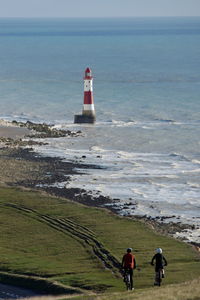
(88, 105)
(88, 113)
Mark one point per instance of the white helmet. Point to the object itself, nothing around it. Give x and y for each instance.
(159, 250)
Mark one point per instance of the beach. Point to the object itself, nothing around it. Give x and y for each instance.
(21, 166)
(12, 132)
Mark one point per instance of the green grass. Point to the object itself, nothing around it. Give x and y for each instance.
(58, 239)
(182, 291)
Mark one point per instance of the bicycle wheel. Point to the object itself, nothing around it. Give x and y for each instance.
(160, 277)
(128, 282)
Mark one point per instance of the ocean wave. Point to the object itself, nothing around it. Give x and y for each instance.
(165, 120)
(161, 185)
(178, 155)
(65, 124)
(97, 149)
(112, 123)
(138, 192)
(193, 185)
(125, 155)
(192, 171)
(171, 176)
(22, 118)
(195, 161)
(175, 165)
(147, 127)
(189, 235)
(118, 123)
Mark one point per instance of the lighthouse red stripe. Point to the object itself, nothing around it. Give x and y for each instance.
(88, 97)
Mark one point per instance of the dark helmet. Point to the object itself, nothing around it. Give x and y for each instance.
(129, 250)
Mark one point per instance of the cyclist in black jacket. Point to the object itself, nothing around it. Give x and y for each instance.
(159, 266)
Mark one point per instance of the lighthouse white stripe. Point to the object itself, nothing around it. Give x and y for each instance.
(88, 106)
(88, 86)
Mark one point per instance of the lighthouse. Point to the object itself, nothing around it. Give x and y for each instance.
(88, 112)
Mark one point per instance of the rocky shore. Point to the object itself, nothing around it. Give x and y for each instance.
(20, 166)
(38, 130)
(19, 134)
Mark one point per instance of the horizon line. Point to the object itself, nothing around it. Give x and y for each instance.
(89, 17)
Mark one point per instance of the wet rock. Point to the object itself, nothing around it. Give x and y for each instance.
(43, 130)
(9, 142)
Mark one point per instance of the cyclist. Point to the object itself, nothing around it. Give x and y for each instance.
(159, 266)
(129, 264)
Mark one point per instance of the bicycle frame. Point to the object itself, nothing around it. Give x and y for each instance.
(127, 279)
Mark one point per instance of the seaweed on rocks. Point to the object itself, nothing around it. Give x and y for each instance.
(43, 130)
(9, 142)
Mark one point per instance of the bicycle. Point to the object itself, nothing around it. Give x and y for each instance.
(158, 276)
(160, 262)
(127, 279)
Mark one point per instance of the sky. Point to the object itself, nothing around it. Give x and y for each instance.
(98, 8)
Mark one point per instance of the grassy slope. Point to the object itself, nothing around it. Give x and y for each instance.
(54, 238)
(182, 291)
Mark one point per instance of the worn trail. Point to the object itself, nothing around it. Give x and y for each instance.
(81, 233)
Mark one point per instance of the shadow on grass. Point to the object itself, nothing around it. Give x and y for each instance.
(37, 284)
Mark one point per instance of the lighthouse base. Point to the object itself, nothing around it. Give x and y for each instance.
(84, 119)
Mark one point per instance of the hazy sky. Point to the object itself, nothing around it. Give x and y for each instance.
(98, 8)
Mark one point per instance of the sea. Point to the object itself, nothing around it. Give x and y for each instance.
(146, 73)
